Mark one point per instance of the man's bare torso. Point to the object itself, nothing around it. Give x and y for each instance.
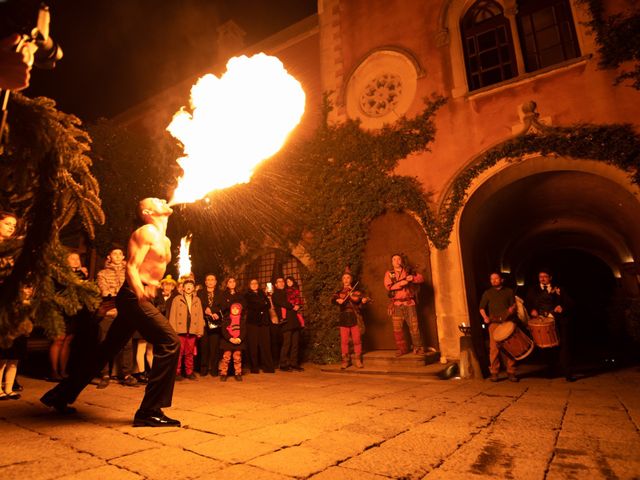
(158, 254)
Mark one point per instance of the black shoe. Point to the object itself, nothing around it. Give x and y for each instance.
(104, 382)
(255, 370)
(13, 396)
(142, 378)
(238, 378)
(154, 419)
(494, 377)
(285, 369)
(297, 368)
(214, 373)
(204, 372)
(223, 378)
(570, 378)
(129, 381)
(513, 378)
(179, 378)
(271, 370)
(52, 400)
(16, 386)
(192, 376)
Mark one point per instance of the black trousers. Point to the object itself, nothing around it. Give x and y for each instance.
(259, 339)
(209, 345)
(155, 329)
(289, 352)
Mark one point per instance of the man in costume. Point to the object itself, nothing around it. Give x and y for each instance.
(401, 284)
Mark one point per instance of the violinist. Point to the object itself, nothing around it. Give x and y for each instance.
(401, 284)
(351, 323)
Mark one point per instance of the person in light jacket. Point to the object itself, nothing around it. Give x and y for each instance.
(186, 316)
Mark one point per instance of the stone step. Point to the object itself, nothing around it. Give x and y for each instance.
(389, 358)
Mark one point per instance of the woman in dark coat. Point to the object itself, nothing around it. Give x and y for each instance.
(231, 295)
(258, 328)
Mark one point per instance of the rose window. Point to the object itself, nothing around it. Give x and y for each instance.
(381, 95)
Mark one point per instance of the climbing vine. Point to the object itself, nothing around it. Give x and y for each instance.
(618, 40)
(617, 145)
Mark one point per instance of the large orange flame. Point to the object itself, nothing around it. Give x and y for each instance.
(236, 121)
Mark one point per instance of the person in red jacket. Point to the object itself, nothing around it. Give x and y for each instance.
(232, 341)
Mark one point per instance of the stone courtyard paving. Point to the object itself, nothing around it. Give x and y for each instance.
(331, 426)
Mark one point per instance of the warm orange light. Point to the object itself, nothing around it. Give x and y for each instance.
(236, 121)
(184, 257)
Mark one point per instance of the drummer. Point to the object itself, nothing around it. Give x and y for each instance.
(547, 298)
(497, 304)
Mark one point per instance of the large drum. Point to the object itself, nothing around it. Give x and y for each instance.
(512, 340)
(543, 331)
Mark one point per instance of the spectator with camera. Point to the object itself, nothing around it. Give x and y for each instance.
(259, 328)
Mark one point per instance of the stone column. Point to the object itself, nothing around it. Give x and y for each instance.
(450, 297)
(331, 60)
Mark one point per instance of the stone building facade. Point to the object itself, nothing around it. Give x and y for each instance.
(495, 61)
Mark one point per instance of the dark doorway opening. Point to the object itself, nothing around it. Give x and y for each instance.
(580, 225)
(593, 289)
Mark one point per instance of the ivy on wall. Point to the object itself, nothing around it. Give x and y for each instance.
(617, 145)
(618, 40)
(331, 185)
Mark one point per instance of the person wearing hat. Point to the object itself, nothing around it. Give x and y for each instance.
(165, 295)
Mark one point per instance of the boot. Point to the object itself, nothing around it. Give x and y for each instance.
(346, 362)
(358, 362)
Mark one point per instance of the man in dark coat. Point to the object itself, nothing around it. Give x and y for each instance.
(288, 315)
(547, 298)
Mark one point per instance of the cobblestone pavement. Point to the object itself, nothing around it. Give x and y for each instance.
(331, 426)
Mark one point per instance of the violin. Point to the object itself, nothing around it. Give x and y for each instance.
(354, 295)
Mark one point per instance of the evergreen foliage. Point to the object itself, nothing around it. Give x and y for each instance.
(47, 182)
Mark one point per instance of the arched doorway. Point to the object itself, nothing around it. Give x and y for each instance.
(579, 220)
(392, 233)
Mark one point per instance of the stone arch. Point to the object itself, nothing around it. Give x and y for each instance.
(593, 213)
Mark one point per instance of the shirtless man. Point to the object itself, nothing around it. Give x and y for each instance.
(149, 253)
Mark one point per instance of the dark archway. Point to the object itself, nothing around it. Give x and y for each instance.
(593, 288)
(580, 224)
(392, 233)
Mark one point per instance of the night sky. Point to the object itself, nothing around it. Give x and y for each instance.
(120, 52)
